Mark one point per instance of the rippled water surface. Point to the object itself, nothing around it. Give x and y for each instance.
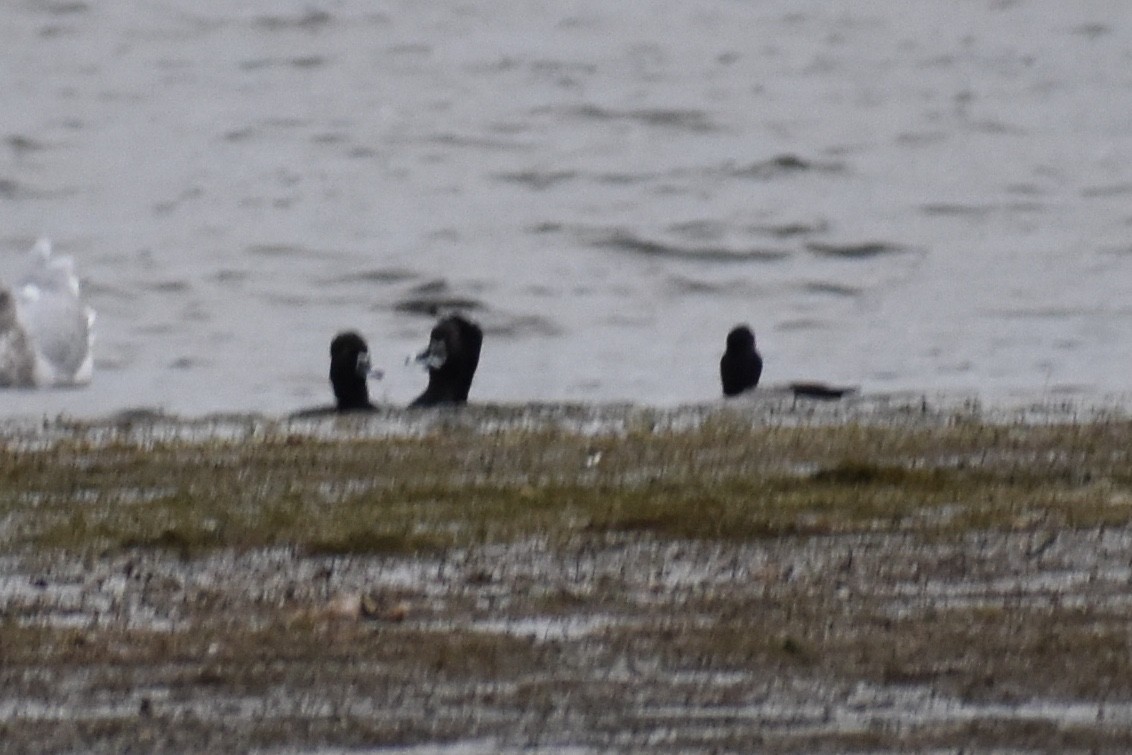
(900, 195)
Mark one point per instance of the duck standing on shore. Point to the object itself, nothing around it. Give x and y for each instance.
(741, 365)
(452, 356)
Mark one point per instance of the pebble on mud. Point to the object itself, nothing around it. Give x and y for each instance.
(344, 606)
(352, 606)
(376, 608)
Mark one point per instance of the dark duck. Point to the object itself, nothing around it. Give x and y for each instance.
(741, 366)
(452, 356)
(349, 369)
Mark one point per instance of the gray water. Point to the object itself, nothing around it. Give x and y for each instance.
(905, 196)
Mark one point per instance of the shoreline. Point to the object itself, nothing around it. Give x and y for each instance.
(569, 578)
(768, 407)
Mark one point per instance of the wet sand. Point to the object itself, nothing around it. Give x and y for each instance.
(762, 578)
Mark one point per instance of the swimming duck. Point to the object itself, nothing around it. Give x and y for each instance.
(452, 356)
(349, 368)
(741, 365)
(46, 330)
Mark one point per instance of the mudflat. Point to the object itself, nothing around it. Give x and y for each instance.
(767, 577)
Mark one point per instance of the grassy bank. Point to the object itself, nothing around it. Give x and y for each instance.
(708, 582)
(459, 484)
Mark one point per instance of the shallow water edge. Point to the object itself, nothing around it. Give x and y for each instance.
(771, 406)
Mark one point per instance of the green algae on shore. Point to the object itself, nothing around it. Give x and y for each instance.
(456, 485)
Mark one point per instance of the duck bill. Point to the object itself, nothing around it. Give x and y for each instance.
(434, 356)
(366, 369)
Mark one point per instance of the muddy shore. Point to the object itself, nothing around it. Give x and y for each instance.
(773, 577)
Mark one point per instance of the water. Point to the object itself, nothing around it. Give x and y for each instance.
(900, 195)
